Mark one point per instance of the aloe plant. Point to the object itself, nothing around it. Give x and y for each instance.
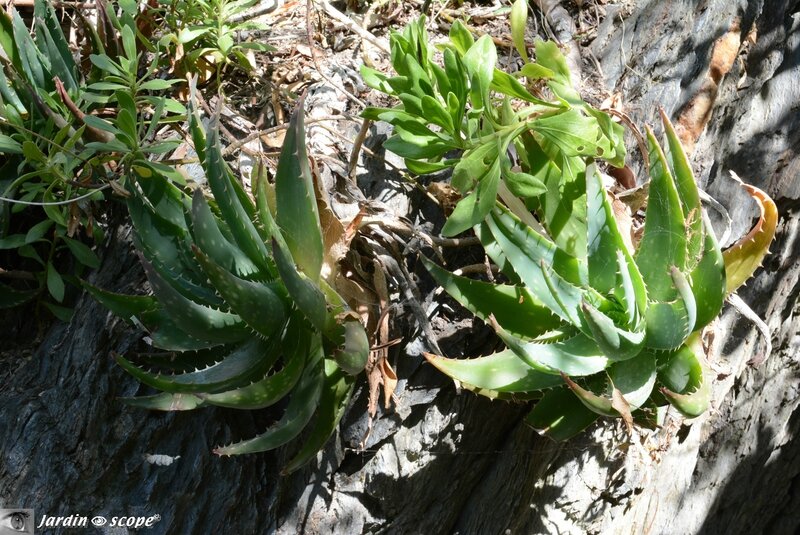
(241, 292)
(615, 330)
(593, 323)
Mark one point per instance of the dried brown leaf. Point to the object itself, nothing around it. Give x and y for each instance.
(389, 378)
(619, 404)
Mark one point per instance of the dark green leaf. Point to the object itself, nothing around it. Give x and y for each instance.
(62, 313)
(38, 231)
(55, 284)
(13, 241)
(82, 253)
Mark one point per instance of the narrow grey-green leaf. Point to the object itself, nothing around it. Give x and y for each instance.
(302, 405)
(251, 359)
(198, 320)
(297, 214)
(663, 243)
(514, 307)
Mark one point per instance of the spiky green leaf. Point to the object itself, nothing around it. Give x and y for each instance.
(297, 214)
(302, 405)
(234, 213)
(307, 296)
(686, 382)
(211, 241)
(335, 396)
(200, 321)
(663, 243)
(514, 307)
(247, 362)
(501, 372)
(259, 304)
(670, 323)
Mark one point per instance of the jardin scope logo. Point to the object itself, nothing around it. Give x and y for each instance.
(16, 521)
(22, 521)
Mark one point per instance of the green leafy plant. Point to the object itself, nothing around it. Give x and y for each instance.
(598, 333)
(57, 155)
(471, 107)
(43, 160)
(244, 292)
(204, 34)
(597, 321)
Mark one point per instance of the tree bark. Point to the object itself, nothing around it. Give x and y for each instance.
(444, 462)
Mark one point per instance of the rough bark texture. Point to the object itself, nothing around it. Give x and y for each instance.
(449, 463)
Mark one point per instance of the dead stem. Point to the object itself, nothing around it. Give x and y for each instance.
(343, 19)
(358, 142)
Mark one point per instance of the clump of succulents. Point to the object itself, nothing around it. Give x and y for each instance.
(597, 321)
(243, 299)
